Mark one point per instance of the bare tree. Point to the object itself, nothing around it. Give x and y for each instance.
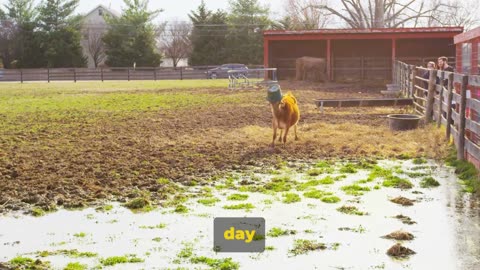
(95, 45)
(303, 14)
(382, 13)
(464, 13)
(175, 41)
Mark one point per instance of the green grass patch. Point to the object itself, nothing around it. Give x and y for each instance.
(331, 199)
(80, 235)
(75, 266)
(466, 171)
(316, 194)
(72, 253)
(110, 261)
(397, 182)
(104, 208)
(246, 206)
(429, 182)
(327, 181)
(355, 189)
(348, 168)
(37, 212)
(28, 264)
(351, 210)
(291, 198)
(319, 171)
(186, 251)
(140, 204)
(220, 264)
(269, 248)
(280, 184)
(181, 209)
(208, 201)
(302, 246)
(419, 161)
(237, 197)
(277, 232)
(158, 226)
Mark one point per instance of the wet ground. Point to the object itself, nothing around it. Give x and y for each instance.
(345, 206)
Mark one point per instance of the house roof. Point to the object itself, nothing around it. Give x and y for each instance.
(109, 10)
(377, 33)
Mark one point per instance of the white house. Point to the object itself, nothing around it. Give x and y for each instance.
(93, 28)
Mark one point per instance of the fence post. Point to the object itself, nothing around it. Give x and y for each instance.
(461, 128)
(21, 75)
(449, 106)
(181, 73)
(414, 80)
(74, 75)
(155, 73)
(101, 73)
(128, 74)
(431, 96)
(48, 75)
(440, 105)
(408, 81)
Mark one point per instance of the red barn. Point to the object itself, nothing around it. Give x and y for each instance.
(358, 54)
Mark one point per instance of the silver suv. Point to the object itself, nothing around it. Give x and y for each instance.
(222, 71)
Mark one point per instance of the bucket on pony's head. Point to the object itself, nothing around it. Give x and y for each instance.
(274, 93)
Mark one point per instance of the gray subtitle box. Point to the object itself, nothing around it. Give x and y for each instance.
(239, 234)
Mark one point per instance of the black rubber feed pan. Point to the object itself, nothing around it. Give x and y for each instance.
(400, 122)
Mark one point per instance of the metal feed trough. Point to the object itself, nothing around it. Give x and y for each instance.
(244, 79)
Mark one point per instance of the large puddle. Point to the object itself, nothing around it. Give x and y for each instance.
(446, 224)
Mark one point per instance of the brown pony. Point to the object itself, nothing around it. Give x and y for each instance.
(286, 114)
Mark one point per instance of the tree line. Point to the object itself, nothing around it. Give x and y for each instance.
(50, 34)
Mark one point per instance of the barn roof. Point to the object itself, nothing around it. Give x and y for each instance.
(382, 33)
(467, 36)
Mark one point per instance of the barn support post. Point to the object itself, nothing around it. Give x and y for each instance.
(431, 96)
(449, 106)
(461, 127)
(329, 59)
(440, 103)
(394, 53)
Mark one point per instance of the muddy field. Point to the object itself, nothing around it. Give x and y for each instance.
(72, 146)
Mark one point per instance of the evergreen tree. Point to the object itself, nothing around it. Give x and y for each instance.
(26, 53)
(246, 21)
(131, 38)
(60, 34)
(208, 37)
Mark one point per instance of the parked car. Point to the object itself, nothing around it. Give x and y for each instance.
(222, 71)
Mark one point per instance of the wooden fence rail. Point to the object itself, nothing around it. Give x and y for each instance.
(441, 97)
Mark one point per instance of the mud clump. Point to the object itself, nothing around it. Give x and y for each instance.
(403, 201)
(400, 251)
(400, 236)
(405, 220)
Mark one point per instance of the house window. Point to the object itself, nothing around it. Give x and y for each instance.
(100, 12)
(466, 57)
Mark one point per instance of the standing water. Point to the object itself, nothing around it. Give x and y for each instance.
(318, 216)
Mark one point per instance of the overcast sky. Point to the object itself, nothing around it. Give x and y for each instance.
(173, 9)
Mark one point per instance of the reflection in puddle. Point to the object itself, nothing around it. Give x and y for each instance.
(348, 213)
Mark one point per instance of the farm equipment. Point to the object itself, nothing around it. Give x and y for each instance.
(253, 78)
